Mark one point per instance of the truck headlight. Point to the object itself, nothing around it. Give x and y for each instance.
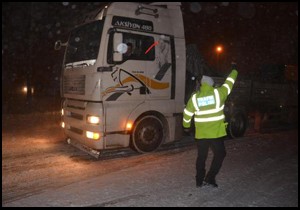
(92, 135)
(93, 119)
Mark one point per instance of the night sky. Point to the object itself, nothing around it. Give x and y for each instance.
(252, 34)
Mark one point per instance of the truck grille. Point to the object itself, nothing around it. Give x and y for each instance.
(76, 130)
(74, 85)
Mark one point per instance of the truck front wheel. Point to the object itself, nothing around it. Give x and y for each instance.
(148, 134)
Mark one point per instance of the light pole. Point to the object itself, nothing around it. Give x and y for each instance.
(219, 50)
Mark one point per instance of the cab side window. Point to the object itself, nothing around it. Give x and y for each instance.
(137, 47)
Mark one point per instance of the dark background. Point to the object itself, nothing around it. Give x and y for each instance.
(253, 34)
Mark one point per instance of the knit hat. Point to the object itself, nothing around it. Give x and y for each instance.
(208, 80)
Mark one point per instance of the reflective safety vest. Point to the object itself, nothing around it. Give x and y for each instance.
(207, 107)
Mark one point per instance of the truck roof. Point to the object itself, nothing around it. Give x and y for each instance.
(165, 16)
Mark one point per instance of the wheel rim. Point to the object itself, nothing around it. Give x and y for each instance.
(148, 134)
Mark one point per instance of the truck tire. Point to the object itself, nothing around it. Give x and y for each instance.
(237, 124)
(148, 134)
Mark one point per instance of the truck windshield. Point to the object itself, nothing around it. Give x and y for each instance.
(83, 44)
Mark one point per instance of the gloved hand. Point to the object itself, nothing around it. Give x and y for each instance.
(186, 131)
(233, 65)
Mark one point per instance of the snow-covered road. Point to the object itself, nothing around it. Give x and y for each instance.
(40, 169)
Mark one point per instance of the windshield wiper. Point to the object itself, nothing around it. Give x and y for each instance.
(81, 64)
(69, 65)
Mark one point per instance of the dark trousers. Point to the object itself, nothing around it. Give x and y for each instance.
(219, 153)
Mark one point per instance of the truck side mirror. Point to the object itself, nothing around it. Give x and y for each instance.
(59, 44)
(118, 47)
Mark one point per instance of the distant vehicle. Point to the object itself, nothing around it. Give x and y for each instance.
(262, 99)
(114, 101)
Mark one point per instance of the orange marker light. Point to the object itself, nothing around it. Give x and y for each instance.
(128, 126)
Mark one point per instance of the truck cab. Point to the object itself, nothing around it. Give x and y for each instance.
(123, 77)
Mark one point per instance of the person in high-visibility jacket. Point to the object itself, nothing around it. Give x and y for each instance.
(207, 107)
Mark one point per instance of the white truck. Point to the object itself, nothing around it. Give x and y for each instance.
(115, 100)
(126, 77)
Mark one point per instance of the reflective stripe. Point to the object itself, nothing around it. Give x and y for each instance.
(217, 109)
(217, 98)
(187, 121)
(195, 102)
(230, 79)
(210, 111)
(228, 88)
(188, 113)
(209, 119)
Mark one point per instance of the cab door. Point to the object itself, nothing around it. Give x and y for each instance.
(127, 85)
(160, 70)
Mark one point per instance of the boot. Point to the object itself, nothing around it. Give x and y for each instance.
(210, 182)
(199, 178)
(199, 183)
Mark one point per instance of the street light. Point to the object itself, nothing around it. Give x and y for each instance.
(219, 50)
(25, 90)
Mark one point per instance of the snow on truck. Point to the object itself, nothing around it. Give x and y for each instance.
(124, 79)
